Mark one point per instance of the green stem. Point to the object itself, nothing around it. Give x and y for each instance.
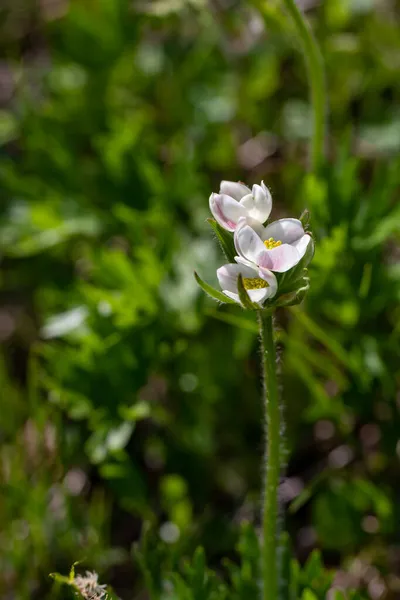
(316, 77)
(270, 563)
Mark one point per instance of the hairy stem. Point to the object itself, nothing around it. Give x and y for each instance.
(316, 77)
(270, 563)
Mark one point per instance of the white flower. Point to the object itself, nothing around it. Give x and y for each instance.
(89, 587)
(236, 200)
(260, 283)
(277, 247)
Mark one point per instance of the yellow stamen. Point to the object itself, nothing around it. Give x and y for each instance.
(254, 283)
(271, 243)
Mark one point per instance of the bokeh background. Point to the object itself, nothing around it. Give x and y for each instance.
(127, 396)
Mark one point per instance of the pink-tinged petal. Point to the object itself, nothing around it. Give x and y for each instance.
(227, 277)
(279, 259)
(264, 260)
(248, 244)
(235, 189)
(226, 211)
(285, 230)
(302, 244)
(270, 279)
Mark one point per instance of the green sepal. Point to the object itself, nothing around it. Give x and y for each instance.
(293, 298)
(305, 218)
(291, 280)
(215, 294)
(301, 292)
(244, 297)
(225, 239)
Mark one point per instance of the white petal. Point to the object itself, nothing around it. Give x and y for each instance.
(226, 211)
(302, 244)
(270, 279)
(232, 295)
(258, 295)
(248, 243)
(243, 261)
(228, 275)
(262, 201)
(253, 223)
(235, 189)
(279, 259)
(285, 230)
(258, 203)
(266, 190)
(248, 202)
(228, 278)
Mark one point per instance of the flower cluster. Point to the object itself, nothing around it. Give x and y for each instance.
(267, 262)
(89, 587)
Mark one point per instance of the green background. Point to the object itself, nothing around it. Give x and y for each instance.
(127, 396)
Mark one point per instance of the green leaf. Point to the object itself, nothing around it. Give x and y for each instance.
(386, 227)
(70, 580)
(286, 553)
(215, 294)
(246, 323)
(315, 193)
(199, 568)
(244, 297)
(248, 545)
(338, 595)
(225, 239)
(138, 411)
(295, 574)
(323, 337)
(150, 556)
(308, 595)
(60, 578)
(313, 567)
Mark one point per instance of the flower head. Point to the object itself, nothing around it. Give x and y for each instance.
(89, 587)
(277, 247)
(260, 283)
(236, 200)
(256, 252)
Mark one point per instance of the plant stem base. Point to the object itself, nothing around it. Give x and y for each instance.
(270, 549)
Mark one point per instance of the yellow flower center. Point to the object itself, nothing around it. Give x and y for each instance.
(254, 283)
(271, 243)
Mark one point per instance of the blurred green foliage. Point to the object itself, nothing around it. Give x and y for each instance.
(126, 395)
